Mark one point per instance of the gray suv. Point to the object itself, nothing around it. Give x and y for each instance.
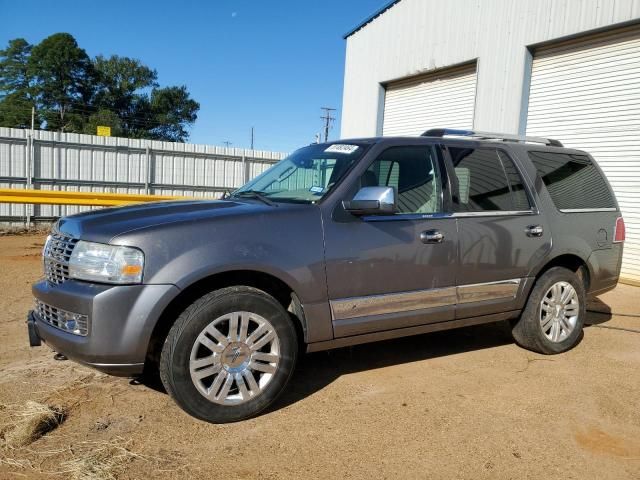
(338, 244)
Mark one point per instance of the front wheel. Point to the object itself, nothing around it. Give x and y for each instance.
(553, 318)
(229, 355)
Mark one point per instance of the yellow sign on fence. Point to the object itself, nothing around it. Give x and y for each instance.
(104, 131)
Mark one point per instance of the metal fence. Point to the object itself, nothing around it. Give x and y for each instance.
(88, 163)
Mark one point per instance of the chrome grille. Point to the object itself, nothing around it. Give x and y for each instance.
(57, 252)
(75, 323)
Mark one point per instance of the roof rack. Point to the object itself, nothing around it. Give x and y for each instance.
(441, 132)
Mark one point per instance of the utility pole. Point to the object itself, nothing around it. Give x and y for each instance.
(328, 118)
(227, 143)
(251, 138)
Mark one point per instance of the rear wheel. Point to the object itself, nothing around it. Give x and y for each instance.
(553, 318)
(229, 355)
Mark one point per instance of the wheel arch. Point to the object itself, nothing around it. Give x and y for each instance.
(572, 262)
(266, 282)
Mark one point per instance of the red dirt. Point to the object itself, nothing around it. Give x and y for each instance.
(463, 404)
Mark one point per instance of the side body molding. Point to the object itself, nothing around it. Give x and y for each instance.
(480, 292)
(358, 315)
(392, 302)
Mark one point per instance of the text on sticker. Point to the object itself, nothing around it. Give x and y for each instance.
(341, 148)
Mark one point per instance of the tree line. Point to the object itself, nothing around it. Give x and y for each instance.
(72, 92)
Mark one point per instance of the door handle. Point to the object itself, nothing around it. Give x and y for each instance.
(534, 231)
(432, 236)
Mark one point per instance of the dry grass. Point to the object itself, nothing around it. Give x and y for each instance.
(99, 460)
(39, 229)
(27, 423)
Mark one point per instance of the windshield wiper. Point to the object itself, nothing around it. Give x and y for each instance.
(255, 194)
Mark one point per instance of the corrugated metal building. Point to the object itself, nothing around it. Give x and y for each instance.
(566, 69)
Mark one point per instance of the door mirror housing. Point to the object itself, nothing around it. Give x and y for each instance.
(372, 201)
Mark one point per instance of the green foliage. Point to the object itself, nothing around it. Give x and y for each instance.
(120, 80)
(171, 106)
(15, 111)
(64, 80)
(16, 95)
(14, 68)
(74, 93)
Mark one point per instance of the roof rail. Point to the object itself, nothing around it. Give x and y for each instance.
(441, 132)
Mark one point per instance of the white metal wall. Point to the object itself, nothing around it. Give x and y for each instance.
(419, 36)
(417, 104)
(76, 162)
(587, 94)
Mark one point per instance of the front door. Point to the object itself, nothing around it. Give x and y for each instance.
(501, 234)
(394, 271)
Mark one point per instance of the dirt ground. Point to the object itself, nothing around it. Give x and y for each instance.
(465, 404)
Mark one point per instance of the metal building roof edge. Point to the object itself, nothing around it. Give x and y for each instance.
(370, 18)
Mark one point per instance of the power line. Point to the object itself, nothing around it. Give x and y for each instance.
(328, 120)
(126, 118)
(90, 109)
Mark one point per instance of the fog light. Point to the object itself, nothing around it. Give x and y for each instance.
(71, 322)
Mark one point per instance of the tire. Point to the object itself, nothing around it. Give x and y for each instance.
(227, 378)
(553, 327)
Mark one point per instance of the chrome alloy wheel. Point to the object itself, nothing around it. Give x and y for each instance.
(559, 310)
(234, 358)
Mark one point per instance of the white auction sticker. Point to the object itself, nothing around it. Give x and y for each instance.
(341, 148)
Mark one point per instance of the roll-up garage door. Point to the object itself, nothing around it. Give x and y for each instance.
(442, 99)
(586, 93)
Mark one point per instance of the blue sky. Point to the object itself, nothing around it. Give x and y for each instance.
(267, 64)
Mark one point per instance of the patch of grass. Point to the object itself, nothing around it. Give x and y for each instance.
(35, 230)
(27, 423)
(99, 460)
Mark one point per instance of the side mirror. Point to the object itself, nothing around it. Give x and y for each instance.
(372, 201)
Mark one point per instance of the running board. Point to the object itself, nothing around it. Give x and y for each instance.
(406, 332)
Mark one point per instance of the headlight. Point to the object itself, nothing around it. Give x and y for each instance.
(98, 262)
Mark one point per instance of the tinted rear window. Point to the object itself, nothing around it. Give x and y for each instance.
(573, 181)
(487, 181)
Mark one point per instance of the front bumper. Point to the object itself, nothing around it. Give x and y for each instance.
(121, 321)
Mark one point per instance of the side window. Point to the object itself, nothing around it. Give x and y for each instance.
(413, 172)
(573, 181)
(487, 181)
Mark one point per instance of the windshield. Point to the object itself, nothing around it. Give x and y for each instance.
(307, 174)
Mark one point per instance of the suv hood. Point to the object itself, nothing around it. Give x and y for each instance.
(105, 224)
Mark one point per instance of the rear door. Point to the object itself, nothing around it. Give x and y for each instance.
(501, 233)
